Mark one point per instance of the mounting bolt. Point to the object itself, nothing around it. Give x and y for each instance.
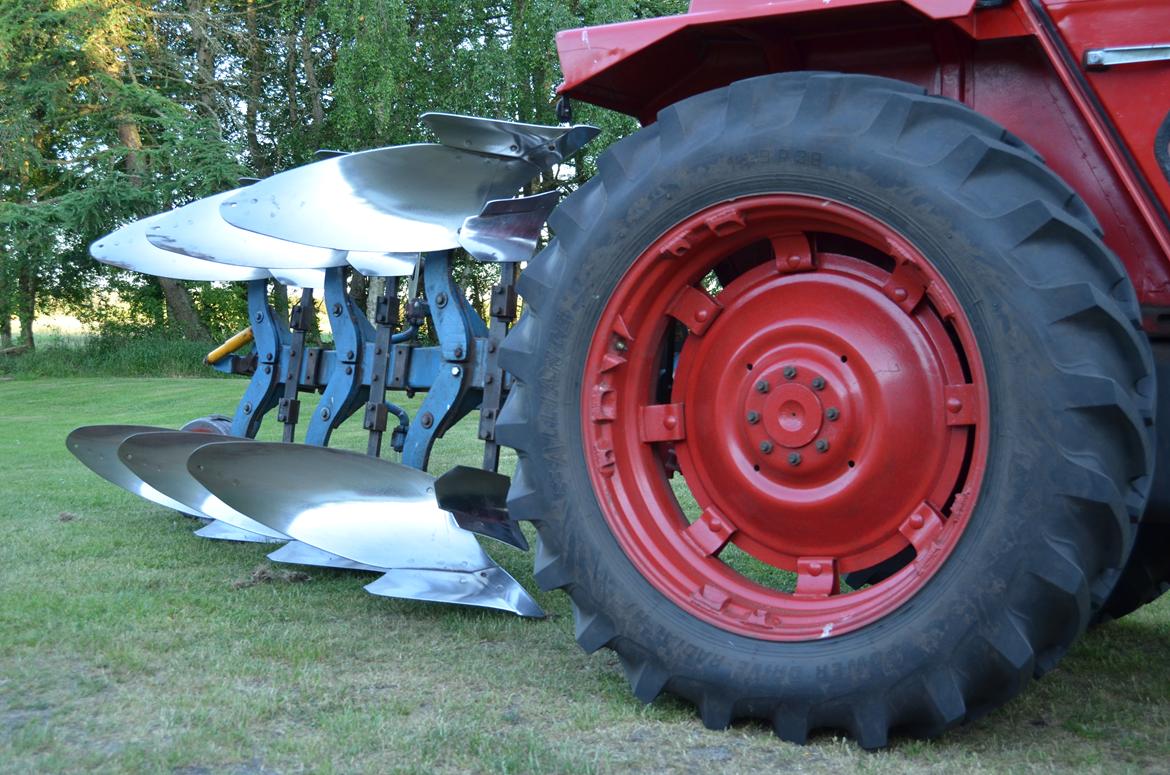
(248, 408)
(766, 447)
(831, 414)
(427, 420)
(441, 300)
(491, 347)
(794, 458)
(267, 369)
(259, 317)
(822, 445)
(458, 352)
(336, 310)
(762, 386)
(753, 417)
(324, 414)
(818, 383)
(489, 379)
(454, 371)
(349, 370)
(620, 345)
(789, 372)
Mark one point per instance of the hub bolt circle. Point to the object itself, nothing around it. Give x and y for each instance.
(766, 447)
(822, 445)
(762, 386)
(753, 417)
(794, 458)
(789, 372)
(832, 413)
(818, 383)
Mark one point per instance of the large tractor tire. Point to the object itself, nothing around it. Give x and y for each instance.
(1147, 574)
(807, 326)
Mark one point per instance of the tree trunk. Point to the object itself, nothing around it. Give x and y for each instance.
(310, 70)
(280, 301)
(181, 312)
(5, 305)
(26, 307)
(359, 290)
(375, 288)
(255, 76)
(290, 80)
(204, 76)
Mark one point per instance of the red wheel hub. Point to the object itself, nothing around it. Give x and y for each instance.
(826, 407)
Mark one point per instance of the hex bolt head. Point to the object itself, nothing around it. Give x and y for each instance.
(832, 413)
(762, 386)
(455, 371)
(818, 383)
(753, 417)
(766, 447)
(789, 372)
(822, 445)
(794, 458)
(427, 419)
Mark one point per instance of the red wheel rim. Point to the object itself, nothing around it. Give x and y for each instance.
(827, 414)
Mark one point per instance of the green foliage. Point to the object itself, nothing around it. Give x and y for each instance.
(115, 109)
(119, 351)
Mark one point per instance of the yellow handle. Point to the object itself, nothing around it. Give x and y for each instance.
(230, 346)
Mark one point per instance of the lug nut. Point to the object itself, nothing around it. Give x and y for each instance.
(753, 417)
(762, 386)
(831, 414)
(766, 447)
(789, 372)
(818, 383)
(822, 445)
(794, 458)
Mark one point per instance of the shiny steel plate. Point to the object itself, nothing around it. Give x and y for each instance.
(541, 145)
(221, 531)
(160, 460)
(488, 588)
(97, 447)
(383, 264)
(198, 231)
(128, 248)
(370, 510)
(508, 229)
(404, 199)
(296, 553)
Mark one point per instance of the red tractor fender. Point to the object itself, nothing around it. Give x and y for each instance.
(1018, 62)
(640, 66)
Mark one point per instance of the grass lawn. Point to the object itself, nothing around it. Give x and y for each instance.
(127, 644)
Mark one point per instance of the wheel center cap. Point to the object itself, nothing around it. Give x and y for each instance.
(793, 415)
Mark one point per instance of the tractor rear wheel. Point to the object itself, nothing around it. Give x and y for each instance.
(813, 327)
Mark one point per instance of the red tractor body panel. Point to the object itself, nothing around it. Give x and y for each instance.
(1104, 131)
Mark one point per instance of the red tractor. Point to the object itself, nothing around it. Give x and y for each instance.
(838, 382)
(835, 389)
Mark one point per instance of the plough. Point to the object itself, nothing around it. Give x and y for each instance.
(390, 212)
(838, 399)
